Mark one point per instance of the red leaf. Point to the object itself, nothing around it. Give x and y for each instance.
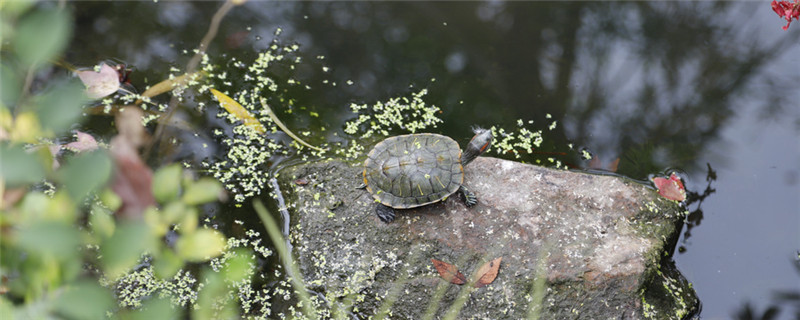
(86, 142)
(487, 272)
(449, 272)
(671, 188)
(100, 83)
(132, 177)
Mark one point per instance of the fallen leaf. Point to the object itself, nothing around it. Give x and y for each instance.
(130, 127)
(86, 142)
(100, 83)
(596, 163)
(671, 188)
(169, 84)
(487, 272)
(449, 272)
(237, 110)
(132, 180)
(614, 165)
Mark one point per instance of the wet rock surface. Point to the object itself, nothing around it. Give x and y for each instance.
(597, 244)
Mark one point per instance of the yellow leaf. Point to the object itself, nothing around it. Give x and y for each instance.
(200, 245)
(237, 110)
(169, 84)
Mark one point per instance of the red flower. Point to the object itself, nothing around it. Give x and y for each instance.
(787, 10)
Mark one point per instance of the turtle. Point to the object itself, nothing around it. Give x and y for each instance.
(414, 170)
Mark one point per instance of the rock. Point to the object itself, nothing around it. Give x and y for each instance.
(598, 244)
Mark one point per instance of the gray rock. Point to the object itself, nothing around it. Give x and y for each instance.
(597, 244)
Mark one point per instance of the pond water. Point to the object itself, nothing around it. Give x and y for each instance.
(710, 89)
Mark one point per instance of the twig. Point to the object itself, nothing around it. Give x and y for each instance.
(191, 66)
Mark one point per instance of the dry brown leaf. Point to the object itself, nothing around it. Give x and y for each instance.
(449, 272)
(614, 165)
(130, 127)
(487, 272)
(132, 180)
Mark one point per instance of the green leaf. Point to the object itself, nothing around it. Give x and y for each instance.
(42, 35)
(85, 172)
(122, 251)
(155, 308)
(173, 212)
(10, 86)
(213, 301)
(167, 183)
(61, 106)
(84, 300)
(202, 191)
(102, 222)
(200, 245)
(238, 266)
(167, 264)
(6, 308)
(50, 237)
(18, 167)
(15, 8)
(110, 199)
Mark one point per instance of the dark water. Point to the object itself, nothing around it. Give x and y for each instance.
(711, 89)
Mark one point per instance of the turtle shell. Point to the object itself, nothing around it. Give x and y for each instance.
(413, 170)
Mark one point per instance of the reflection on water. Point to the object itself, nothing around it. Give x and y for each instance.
(658, 85)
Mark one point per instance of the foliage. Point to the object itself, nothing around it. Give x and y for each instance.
(66, 245)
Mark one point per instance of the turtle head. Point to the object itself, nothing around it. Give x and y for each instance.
(479, 143)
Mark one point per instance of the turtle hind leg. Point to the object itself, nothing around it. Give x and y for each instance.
(385, 213)
(469, 198)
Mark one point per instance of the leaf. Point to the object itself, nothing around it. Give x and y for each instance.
(167, 183)
(86, 142)
(42, 35)
(671, 188)
(85, 299)
(487, 272)
(122, 251)
(237, 110)
(202, 191)
(84, 173)
(61, 106)
(132, 179)
(10, 86)
(155, 307)
(18, 166)
(200, 245)
(130, 125)
(169, 84)
(449, 272)
(238, 266)
(50, 237)
(100, 84)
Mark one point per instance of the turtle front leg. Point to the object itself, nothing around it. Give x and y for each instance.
(385, 213)
(469, 198)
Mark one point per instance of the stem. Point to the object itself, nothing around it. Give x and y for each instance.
(190, 66)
